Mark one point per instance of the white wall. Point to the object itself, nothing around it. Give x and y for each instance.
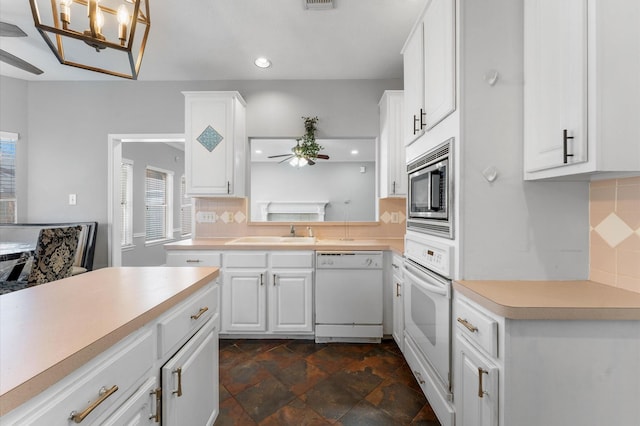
(335, 182)
(159, 155)
(68, 124)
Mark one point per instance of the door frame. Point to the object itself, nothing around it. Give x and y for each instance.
(114, 142)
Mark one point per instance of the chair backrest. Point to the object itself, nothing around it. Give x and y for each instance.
(55, 253)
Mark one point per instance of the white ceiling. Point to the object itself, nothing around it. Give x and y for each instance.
(219, 40)
(337, 150)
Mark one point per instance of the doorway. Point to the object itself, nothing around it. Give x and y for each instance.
(116, 144)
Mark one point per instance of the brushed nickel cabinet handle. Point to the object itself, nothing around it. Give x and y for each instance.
(261, 280)
(194, 260)
(472, 328)
(274, 280)
(158, 415)
(480, 373)
(178, 392)
(104, 394)
(397, 289)
(200, 312)
(419, 377)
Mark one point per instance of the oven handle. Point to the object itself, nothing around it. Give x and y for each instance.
(411, 271)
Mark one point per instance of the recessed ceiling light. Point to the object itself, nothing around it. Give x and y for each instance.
(262, 62)
(258, 151)
(354, 152)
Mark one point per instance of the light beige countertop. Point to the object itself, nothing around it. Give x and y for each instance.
(553, 300)
(49, 331)
(395, 244)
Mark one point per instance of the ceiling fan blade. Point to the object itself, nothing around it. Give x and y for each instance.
(10, 30)
(288, 158)
(322, 156)
(281, 155)
(18, 63)
(310, 161)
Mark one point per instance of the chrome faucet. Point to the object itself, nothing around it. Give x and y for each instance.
(292, 231)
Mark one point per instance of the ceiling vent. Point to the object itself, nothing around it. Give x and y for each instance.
(318, 4)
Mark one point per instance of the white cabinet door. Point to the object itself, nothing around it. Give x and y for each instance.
(291, 301)
(215, 143)
(398, 304)
(413, 62)
(476, 389)
(439, 62)
(244, 300)
(190, 381)
(555, 90)
(392, 161)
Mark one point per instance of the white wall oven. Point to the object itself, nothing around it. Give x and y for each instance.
(428, 320)
(430, 199)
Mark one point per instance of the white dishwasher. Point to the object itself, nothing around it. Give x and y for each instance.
(348, 296)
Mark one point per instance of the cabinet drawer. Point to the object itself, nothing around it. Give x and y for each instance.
(477, 327)
(239, 259)
(194, 258)
(292, 259)
(140, 409)
(186, 319)
(121, 367)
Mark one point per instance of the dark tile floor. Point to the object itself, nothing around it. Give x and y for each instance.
(299, 382)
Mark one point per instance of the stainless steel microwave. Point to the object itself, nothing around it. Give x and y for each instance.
(430, 199)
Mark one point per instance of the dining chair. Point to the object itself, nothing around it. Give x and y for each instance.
(53, 258)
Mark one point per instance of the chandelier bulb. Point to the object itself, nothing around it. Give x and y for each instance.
(65, 12)
(123, 21)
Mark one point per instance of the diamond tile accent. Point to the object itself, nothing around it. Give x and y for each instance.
(402, 217)
(613, 230)
(210, 138)
(239, 217)
(385, 217)
(227, 217)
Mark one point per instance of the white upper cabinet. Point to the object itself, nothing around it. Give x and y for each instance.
(430, 69)
(392, 162)
(215, 143)
(582, 87)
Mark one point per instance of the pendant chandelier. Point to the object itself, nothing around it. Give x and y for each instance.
(95, 35)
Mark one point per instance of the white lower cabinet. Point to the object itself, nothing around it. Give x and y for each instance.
(398, 301)
(121, 386)
(543, 372)
(267, 292)
(190, 381)
(477, 396)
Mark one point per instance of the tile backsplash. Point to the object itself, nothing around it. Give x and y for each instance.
(228, 217)
(614, 218)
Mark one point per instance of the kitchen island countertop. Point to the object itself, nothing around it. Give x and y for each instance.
(50, 330)
(552, 300)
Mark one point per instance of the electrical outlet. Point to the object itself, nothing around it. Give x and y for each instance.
(72, 199)
(206, 217)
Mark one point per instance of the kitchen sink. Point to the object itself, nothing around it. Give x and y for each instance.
(258, 239)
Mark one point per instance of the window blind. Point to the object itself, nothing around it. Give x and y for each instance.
(156, 205)
(185, 209)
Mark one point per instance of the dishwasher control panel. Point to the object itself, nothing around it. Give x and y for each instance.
(349, 260)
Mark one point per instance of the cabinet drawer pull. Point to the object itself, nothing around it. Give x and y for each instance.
(480, 373)
(274, 280)
(565, 141)
(104, 394)
(194, 260)
(397, 289)
(261, 280)
(179, 391)
(200, 312)
(472, 328)
(419, 377)
(156, 417)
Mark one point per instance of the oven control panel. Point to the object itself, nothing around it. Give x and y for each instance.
(432, 255)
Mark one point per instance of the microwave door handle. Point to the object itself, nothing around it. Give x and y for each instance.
(429, 287)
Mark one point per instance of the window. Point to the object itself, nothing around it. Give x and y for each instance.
(8, 199)
(185, 209)
(126, 202)
(158, 204)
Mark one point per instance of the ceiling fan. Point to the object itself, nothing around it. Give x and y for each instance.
(299, 158)
(10, 30)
